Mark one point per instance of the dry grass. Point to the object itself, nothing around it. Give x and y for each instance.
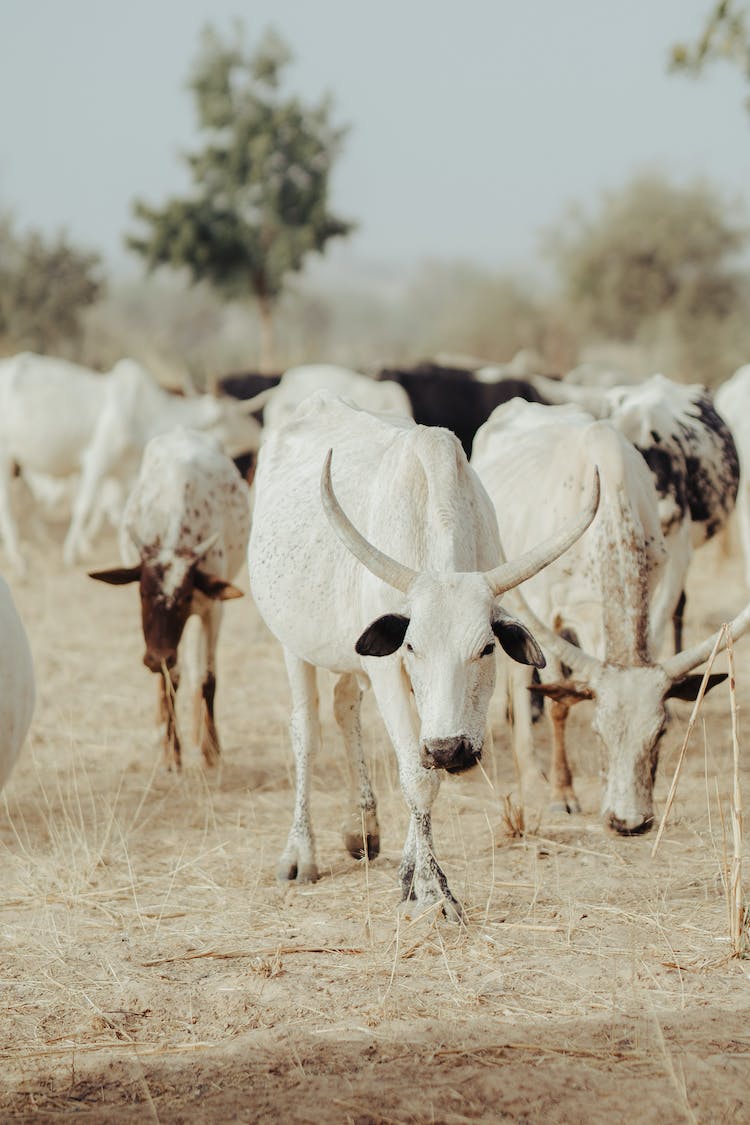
(154, 971)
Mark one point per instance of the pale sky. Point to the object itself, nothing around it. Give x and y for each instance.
(473, 123)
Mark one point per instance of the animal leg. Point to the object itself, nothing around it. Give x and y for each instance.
(563, 796)
(743, 512)
(8, 529)
(168, 684)
(422, 879)
(204, 726)
(297, 861)
(531, 780)
(360, 829)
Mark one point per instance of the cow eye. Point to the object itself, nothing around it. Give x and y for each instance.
(409, 647)
(488, 650)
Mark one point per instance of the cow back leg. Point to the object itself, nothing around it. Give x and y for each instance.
(8, 529)
(531, 780)
(360, 829)
(743, 516)
(422, 879)
(167, 696)
(563, 798)
(297, 861)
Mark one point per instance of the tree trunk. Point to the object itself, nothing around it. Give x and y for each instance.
(265, 310)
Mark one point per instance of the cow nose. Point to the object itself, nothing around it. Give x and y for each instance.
(452, 754)
(154, 661)
(632, 827)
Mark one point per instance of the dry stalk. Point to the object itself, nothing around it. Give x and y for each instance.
(723, 635)
(738, 919)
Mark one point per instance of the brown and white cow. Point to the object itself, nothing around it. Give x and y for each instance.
(185, 530)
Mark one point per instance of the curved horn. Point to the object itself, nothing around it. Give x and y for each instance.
(510, 574)
(204, 547)
(379, 564)
(581, 662)
(683, 662)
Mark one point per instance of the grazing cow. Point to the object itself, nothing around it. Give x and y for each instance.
(298, 383)
(599, 594)
(456, 398)
(17, 688)
(189, 519)
(421, 630)
(693, 459)
(732, 400)
(57, 418)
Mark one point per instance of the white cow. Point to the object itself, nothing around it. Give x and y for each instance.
(17, 687)
(535, 462)
(296, 384)
(732, 400)
(421, 630)
(185, 531)
(57, 418)
(693, 460)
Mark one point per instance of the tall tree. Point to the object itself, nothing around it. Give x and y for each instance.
(44, 287)
(259, 202)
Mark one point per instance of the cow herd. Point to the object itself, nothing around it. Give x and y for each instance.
(390, 516)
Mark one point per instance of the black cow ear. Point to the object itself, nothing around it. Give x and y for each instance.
(383, 636)
(516, 639)
(118, 575)
(689, 687)
(216, 588)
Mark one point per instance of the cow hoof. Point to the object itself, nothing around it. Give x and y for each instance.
(293, 872)
(353, 829)
(565, 803)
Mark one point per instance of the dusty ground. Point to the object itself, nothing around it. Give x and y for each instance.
(153, 970)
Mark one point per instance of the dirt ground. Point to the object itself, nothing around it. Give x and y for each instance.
(154, 971)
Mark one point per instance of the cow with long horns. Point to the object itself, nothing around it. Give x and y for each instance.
(184, 532)
(601, 594)
(406, 600)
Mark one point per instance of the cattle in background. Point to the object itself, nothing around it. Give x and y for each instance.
(455, 397)
(535, 462)
(57, 418)
(184, 533)
(732, 400)
(419, 622)
(692, 456)
(17, 685)
(247, 384)
(298, 383)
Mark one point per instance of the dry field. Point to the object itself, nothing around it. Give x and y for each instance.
(153, 970)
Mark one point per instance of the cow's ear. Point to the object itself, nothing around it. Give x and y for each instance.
(689, 687)
(568, 691)
(118, 575)
(516, 639)
(383, 636)
(216, 588)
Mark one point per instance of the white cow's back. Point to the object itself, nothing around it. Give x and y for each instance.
(298, 383)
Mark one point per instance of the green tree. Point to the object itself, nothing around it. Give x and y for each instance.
(725, 35)
(653, 251)
(44, 287)
(259, 201)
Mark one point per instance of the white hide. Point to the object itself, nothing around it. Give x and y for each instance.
(732, 400)
(535, 462)
(412, 494)
(57, 419)
(298, 383)
(17, 686)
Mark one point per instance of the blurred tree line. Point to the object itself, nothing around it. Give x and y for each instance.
(655, 269)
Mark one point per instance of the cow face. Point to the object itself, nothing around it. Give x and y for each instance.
(169, 582)
(630, 717)
(448, 637)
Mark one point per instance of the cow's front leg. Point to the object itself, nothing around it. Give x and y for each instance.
(204, 726)
(297, 861)
(360, 829)
(422, 879)
(8, 528)
(169, 681)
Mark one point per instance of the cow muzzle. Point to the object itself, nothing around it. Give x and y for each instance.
(154, 660)
(452, 754)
